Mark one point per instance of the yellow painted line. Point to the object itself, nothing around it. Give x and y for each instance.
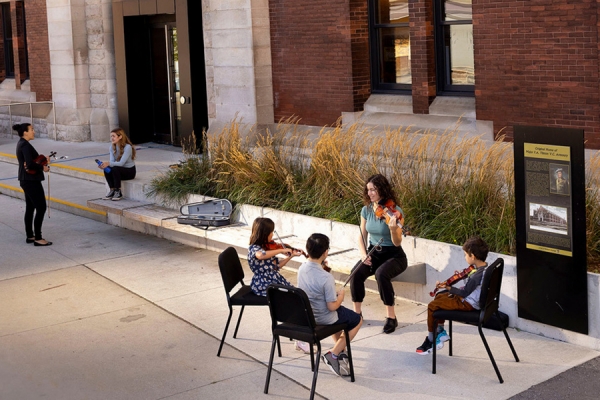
(60, 165)
(54, 200)
(87, 171)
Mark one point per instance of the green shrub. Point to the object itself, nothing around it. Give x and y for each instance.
(450, 187)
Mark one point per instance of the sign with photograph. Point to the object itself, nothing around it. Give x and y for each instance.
(548, 196)
(550, 213)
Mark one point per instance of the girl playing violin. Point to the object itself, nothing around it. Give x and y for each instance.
(380, 218)
(463, 299)
(263, 261)
(262, 257)
(31, 175)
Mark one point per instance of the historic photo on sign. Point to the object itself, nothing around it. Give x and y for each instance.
(559, 179)
(548, 218)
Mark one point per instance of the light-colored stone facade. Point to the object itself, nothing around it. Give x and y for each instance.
(82, 68)
(238, 61)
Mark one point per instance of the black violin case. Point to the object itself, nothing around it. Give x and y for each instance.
(216, 212)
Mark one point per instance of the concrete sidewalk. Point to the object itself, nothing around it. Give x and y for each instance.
(110, 313)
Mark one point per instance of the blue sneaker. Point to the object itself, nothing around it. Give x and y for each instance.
(440, 339)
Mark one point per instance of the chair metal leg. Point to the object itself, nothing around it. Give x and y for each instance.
(433, 359)
(238, 323)
(509, 341)
(450, 341)
(316, 372)
(347, 334)
(225, 331)
(312, 357)
(278, 347)
(275, 339)
(487, 348)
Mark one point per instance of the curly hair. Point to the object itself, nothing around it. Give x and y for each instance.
(384, 189)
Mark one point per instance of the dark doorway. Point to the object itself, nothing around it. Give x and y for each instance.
(152, 78)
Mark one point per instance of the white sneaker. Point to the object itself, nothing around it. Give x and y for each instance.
(303, 347)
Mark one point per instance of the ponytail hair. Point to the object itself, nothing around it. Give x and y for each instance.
(21, 128)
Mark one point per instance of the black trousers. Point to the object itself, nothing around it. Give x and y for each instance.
(385, 265)
(35, 201)
(118, 174)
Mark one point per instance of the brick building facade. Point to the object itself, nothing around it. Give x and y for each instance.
(535, 62)
(505, 63)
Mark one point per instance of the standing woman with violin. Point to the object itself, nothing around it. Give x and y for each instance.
(262, 257)
(31, 174)
(380, 218)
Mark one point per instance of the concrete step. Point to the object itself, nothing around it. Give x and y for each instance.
(446, 114)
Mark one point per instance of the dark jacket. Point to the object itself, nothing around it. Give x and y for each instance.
(25, 155)
(473, 281)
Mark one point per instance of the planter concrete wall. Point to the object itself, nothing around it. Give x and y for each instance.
(441, 260)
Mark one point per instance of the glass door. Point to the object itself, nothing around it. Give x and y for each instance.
(173, 81)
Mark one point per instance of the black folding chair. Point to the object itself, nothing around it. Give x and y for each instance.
(490, 299)
(292, 317)
(233, 274)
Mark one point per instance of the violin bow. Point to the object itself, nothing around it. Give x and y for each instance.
(361, 262)
(52, 154)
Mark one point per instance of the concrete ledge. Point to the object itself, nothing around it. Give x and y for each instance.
(162, 222)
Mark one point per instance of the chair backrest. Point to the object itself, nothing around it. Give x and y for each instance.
(231, 269)
(490, 288)
(290, 305)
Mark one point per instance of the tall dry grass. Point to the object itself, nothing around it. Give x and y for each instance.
(450, 187)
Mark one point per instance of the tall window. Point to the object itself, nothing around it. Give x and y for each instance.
(10, 42)
(454, 46)
(390, 45)
(9, 65)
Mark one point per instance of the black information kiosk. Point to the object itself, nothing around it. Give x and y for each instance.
(551, 226)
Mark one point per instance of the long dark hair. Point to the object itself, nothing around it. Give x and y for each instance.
(21, 128)
(123, 140)
(261, 229)
(384, 189)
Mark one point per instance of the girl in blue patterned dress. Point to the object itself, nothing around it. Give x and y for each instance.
(264, 263)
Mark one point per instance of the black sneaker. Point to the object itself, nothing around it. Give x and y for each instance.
(332, 363)
(109, 195)
(426, 347)
(344, 364)
(390, 325)
(117, 196)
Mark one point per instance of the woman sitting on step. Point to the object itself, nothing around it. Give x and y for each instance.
(121, 166)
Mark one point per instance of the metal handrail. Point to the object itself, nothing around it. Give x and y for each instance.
(31, 103)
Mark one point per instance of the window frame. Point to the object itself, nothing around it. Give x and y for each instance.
(375, 29)
(442, 62)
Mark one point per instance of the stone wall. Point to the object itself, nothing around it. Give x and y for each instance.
(82, 67)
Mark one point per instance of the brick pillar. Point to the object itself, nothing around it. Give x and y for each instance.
(2, 64)
(361, 66)
(21, 73)
(15, 34)
(422, 54)
(38, 50)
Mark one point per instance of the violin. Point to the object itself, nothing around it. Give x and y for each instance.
(386, 210)
(272, 245)
(42, 161)
(458, 276)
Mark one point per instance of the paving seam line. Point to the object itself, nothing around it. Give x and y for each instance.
(218, 339)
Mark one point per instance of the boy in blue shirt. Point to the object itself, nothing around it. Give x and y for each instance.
(326, 303)
(463, 299)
